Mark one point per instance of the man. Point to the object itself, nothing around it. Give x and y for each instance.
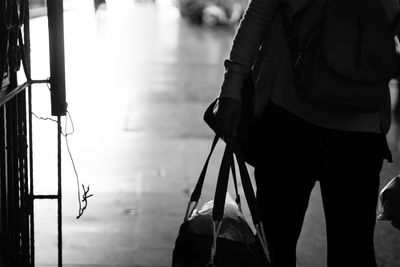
(300, 142)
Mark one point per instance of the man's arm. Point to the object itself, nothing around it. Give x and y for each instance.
(252, 29)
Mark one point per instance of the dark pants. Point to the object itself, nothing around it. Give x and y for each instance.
(292, 156)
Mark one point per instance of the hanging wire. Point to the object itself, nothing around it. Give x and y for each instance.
(85, 195)
(82, 198)
(42, 118)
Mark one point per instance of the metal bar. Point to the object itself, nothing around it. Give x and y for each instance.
(31, 206)
(45, 197)
(20, 177)
(20, 152)
(55, 15)
(23, 177)
(4, 99)
(10, 95)
(12, 147)
(39, 81)
(12, 205)
(27, 61)
(59, 193)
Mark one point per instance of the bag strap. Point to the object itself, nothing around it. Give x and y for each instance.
(196, 194)
(220, 192)
(227, 164)
(199, 185)
(233, 169)
(247, 186)
(222, 184)
(223, 179)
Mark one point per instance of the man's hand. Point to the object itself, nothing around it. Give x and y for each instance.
(228, 112)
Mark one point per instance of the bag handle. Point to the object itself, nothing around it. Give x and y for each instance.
(221, 189)
(199, 185)
(220, 192)
(251, 200)
(222, 183)
(233, 170)
(247, 186)
(195, 196)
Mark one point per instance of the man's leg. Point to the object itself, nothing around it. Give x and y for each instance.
(285, 175)
(349, 187)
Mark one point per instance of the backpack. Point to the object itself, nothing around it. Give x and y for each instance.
(346, 60)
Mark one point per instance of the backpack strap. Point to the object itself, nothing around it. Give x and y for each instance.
(291, 31)
(292, 38)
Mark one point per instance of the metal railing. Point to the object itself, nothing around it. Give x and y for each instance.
(17, 230)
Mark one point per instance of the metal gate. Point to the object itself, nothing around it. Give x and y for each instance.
(16, 161)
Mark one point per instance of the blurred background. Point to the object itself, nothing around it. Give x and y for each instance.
(139, 75)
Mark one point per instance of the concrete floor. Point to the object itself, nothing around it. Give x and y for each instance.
(138, 81)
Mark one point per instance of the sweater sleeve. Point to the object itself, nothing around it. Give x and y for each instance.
(246, 44)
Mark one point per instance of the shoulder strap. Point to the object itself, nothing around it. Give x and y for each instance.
(292, 38)
(291, 31)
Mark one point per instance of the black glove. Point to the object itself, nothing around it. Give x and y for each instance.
(228, 112)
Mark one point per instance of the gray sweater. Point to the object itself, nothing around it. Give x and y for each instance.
(272, 76)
